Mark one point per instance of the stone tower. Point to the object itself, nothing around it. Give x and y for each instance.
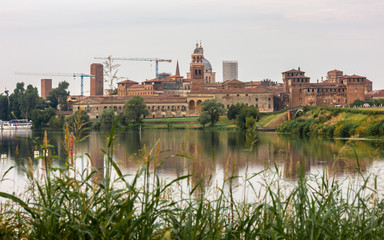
(97, 82)
(46, 87)
(197, 69)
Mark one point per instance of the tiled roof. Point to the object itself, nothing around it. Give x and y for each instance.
(165, 98)
(234, 90)
(292, 70)
(128, 81)
(159, 80)
(353, 76)
(335, 70)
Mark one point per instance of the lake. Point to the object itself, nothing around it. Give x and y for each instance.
(210, 154)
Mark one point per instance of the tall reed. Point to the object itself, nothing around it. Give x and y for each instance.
(67, 204)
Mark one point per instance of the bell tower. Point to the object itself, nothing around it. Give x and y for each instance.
(197, 69)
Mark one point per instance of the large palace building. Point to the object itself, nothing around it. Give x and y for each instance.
(174, 96)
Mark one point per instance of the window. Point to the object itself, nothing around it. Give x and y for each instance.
(246, 94)
(257, 99)
(238, 94)
(269, 99)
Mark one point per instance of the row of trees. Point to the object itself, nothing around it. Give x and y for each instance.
(245, 116)
(135, 109)
(25, 103)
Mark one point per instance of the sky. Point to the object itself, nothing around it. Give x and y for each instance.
(266, 37)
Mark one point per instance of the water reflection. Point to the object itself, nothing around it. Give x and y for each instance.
(210, 151)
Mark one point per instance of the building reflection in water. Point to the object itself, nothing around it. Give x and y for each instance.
(209, 152)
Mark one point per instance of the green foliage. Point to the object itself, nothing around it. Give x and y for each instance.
(372, 102)
(134, 110)
(59, 96)
(204, 119)
(4, 108)
(107, 118)
(376, 129)
(234, 111)
(298, 126)
(21, 103)
(24, 101)
(41, 118)
(84, 119)
(247, 112)
(57, 121)
(345, 130)
(213, 109)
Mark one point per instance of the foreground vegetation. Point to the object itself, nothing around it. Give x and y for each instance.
(66, 204)
(337, 122)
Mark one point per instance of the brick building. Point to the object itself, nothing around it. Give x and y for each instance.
(336, 90)
(46, 87)
(97, 82)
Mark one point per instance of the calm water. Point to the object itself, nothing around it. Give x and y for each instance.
(209, 151)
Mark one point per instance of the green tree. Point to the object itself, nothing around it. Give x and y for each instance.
(134, 109)
(14, 100)
(212, 108)
(29, 101)
(58, 97)
(247, 117)
(204, 119)
(84, 119)
(4, 109)
(41, 118)
(57, 121)
(234, 110)
(107, 118)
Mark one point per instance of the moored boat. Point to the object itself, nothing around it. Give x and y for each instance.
(16, 124)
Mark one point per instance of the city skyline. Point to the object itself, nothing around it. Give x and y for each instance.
(265, 37)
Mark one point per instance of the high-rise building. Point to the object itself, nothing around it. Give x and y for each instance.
(46, 87)
(97, 82)
(230, 69)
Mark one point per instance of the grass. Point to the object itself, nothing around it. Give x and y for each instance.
(66, 204)
(175, 119)
(335, 122)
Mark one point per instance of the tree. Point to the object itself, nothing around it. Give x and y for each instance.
(59, 96)
(234, 110)
(134, 109)
(29, 101)
(248, 116)
(14, 100)
(23, 101)
(4, 114)
(84, 119)
(204, 119)
(212, 108)
(107, 118)
(41, 118)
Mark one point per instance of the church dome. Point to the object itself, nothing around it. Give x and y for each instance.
(207, 64)
(198, 50)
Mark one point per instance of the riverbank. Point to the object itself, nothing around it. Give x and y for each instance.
(337, 122)
(186, 122)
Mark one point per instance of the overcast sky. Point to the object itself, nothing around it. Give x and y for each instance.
(266, 37)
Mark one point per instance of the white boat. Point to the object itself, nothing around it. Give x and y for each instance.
(16, 124)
